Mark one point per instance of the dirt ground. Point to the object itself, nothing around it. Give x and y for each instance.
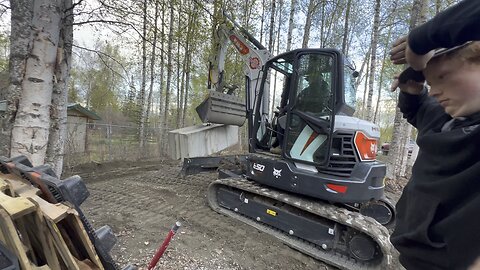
(142, 200)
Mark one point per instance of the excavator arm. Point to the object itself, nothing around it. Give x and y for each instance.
(222, 107)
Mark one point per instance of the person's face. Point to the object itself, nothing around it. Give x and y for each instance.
(455, 84)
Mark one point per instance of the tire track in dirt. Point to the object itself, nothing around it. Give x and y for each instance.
(142, 206)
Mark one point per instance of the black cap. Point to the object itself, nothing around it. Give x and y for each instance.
(411, 74)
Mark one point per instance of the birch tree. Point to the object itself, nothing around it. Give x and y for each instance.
(402, 130)
(152, 61)
(312, 6)
(141, 98)
(290, 24)
(58, 126)
(169, 72)
(32, 122)
(345, 28)
(373, 60)
(19, 52)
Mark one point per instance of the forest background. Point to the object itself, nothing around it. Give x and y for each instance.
(142, 66)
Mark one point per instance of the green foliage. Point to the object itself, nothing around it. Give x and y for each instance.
(4, 51)
(96, 79)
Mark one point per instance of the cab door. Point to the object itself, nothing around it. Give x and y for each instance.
(311, 116)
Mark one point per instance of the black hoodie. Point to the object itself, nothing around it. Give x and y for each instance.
(438, 214)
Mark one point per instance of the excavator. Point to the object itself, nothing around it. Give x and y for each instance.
(310, 178)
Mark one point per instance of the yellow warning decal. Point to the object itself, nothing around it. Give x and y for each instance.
(271, 212)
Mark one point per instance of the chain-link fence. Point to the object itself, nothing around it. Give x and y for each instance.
(101, 142)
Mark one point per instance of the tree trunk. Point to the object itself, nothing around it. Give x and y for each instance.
(141, 98)
(32, 123)
(152, 63)
(278, 51)
(380, 82)
(161, 115)
(401, 134)
(331, 19)
(272, 23)
(290, 25)
(382, 70)
(169, 73)
(322, 26)
(365, 90)
(179, 78)
(58, 126)
(312, 5)
(345, 28)
(261, 21)
(188, 53)
(365, 62)
(373, 59)
(20, 45)
(395, 143)
(187, 85)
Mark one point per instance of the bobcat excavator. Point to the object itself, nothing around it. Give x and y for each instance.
(311, 178)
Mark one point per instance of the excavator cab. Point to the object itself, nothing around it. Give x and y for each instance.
(306, 89)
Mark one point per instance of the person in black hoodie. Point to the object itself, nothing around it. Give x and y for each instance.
(437, 225)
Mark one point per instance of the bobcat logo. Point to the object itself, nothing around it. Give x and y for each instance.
(277, 173)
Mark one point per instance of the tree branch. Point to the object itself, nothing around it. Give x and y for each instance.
(100, 54)
(102, 21)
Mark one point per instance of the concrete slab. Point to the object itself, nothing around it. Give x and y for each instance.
(201, 140)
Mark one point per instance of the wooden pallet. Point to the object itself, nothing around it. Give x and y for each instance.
(50, 233)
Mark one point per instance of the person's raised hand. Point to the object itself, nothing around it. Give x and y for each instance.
(402, 54)
(411, 87)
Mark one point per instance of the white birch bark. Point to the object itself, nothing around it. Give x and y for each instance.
(31, 127)
(58, 117)
(20, 46)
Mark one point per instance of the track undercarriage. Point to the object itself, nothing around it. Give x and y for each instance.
(335, 235)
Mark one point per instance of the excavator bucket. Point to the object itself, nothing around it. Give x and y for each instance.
(220, 108)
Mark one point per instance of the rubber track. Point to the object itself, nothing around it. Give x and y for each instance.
(350, 219)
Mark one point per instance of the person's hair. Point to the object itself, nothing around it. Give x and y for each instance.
(469, 53)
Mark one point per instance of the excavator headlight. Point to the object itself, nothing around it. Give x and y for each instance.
(366, 147)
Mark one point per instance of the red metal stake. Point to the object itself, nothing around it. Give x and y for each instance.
(163, 247)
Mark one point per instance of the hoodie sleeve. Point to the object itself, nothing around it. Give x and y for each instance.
(419, 109)
(451, 27)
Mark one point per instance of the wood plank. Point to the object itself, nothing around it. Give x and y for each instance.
(78, 225)
(55, 212)
(61, 246)
(4, 186)
(69, 241)
(46, 240)
(16, 207)
(12, 240)
(22, 229)
(87, 265)
(21, 186)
